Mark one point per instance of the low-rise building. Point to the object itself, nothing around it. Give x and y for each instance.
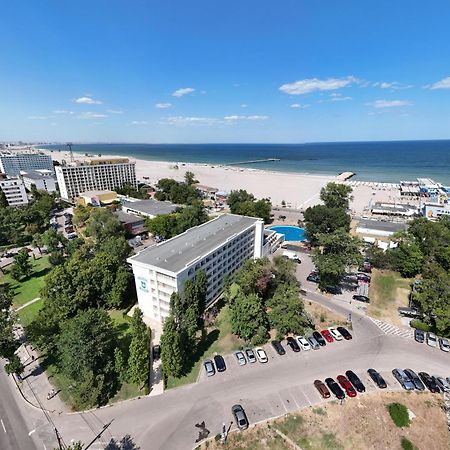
(150, 208)
(41, 179)
(97, 198)
(367, 227)
(14, 190)
(432, 211)
(133, 224)
(218, 247)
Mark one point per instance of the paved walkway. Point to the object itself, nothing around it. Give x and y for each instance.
(28, 303)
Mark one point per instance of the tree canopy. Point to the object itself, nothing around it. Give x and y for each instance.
(177, 192)
(336, 195)
(245, 204)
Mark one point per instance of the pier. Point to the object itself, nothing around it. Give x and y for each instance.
(345, 176)
(254, 161)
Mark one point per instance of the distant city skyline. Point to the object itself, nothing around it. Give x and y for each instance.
(191, 72)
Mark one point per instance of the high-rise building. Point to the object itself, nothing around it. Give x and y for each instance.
(94, 175)
(218, 247)
(14, 190)
(12, 163)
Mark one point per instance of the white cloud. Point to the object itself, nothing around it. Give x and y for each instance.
(378, 104)
(339, 98)
(139, 122)
(37, 117)
(188, 120)
(163, 105)
(442, 84)
(182, 91)
(236, 118)
(87, 101)
(393, 85)
(91, 115)
(299, 106)
(114, 111)
(62, 111)
(314, 84)
(244, 105)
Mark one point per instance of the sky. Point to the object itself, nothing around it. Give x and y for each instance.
(201, 71)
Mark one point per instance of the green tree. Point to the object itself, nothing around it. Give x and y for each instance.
(53, 240)
(120, 364)
(103, 224)
(3, 201)
(22, 267)
(38, 242)
(171, 349)
(336, 195)
(189, 178)
(243, 203)
(284, 271)
(139, 359)
(255, 277)
(408, 258)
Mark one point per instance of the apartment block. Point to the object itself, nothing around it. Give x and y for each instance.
(14, 190)
(12, 163)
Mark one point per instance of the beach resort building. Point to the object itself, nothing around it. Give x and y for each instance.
(433, 211)
(14, 190)
(97, 198)
(42, 179)
(12, 163)
(218, 247)
(150, 208)
(94, 174)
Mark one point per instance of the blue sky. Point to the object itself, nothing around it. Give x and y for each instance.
(224, 71)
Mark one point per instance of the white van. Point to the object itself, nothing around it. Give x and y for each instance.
(291, 255)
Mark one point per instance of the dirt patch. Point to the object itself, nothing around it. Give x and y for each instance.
(361, 423)
(388, 291)
(324, 317)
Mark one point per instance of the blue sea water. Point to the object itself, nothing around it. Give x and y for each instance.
(390, 161)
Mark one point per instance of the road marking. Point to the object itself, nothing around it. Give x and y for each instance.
(281, 398)
(3, 425)
(31, 432)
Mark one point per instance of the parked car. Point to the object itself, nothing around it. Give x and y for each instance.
(240, 417)
(361, 298)
(323, 390)
(326, 334)
(431, 339)
(293, 344)
(249, 353)
(345, 333)
(355, 380)
(364, 277)
(240, 358)
(319, 338)
(345, 384)
(442, 383)
(156, 352)
(419, 336)
(429, 382)
(313, 277)
(377, 378)
(261, 355)
(444, 344)
(403, 379)
(335, 290)
(220, 363)
(335, 388)
(313, 343)
(209, 368)
(303, 342)
(278, 347)
(414, 379)
(335, 333)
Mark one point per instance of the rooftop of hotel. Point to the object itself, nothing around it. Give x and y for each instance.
(382, 226)
(151, 206)
(37, 174)
(179, 252)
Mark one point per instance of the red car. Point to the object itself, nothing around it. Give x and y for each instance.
(323, 390)
(327, 335)
(345, 384)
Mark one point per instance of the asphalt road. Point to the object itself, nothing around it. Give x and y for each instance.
(13, 429)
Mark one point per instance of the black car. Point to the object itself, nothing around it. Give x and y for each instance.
(278, 347)
(156, 352)
(240, 417)
(220, 363)
(313, 277)
(354, 379)
(419, 336)
(293, 344)
(361, 298)
(335, 388)
(345, 333)
(335, 290)
(414, 379)
(377, 378)
(319, 338)
(429, 382)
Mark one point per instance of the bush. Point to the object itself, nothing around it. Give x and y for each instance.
(407, 444)
(399, 414)
(418, 324)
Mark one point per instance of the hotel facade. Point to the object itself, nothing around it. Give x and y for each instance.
(14, 190)
(94, 175)
(218, 247)
(13, 163)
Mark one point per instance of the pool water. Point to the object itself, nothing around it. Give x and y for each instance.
(291, 233)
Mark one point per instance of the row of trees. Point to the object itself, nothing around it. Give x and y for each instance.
(266, 296)
(182, 193)
(327, 228)
(245, 204)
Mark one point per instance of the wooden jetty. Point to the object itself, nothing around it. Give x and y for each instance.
(254, 161)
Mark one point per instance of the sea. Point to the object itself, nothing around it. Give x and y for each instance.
(390, 161)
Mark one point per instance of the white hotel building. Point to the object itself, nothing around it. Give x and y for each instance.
(94, 175)
(14, 190)
(12, 163)
(218, 247)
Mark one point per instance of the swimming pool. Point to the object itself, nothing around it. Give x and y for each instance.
(291, 233)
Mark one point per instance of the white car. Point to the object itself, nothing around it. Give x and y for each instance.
(442, 383)
(444, 344)
(335, 333)
(431, 339)
(240, 358)
(303, 342)
(261, 355)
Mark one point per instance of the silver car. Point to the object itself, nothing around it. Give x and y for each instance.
(442, 383)
(240, 358)
(209, 368)
(313, 342)
(403, 379)
(431, 339)
(444, 344)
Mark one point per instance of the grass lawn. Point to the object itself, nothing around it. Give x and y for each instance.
(218, 340)
(29, 289)
(388, 291)
(29, 313)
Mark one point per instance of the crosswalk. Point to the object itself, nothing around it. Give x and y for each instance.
(387, 328)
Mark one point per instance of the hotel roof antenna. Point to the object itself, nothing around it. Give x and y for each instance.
(69, 144)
